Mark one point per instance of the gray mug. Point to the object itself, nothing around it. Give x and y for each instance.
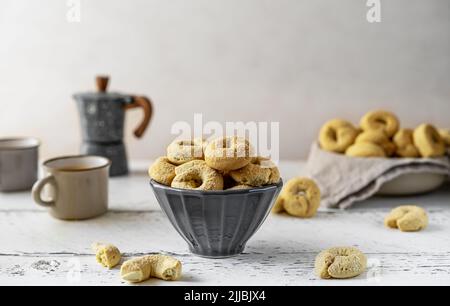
(74, 187)
(18, 163)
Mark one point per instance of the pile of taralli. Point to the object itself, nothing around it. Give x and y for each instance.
(221, 164)
(380, 135)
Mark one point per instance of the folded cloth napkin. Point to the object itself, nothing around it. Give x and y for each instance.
(344, 180)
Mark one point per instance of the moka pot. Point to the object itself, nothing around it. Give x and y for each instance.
(102, 118)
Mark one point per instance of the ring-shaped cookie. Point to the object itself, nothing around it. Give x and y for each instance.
(183, 151)
(228, 153)
(428, 141)
(407, 218)
(380, 120)
(445, 135)
(260, 171)
(162, 171)
(337, 135)
(365, 149)
(197, 175)
(377, 137)
(240, 187)
(404, 143)
(340, 262)
(300, 197)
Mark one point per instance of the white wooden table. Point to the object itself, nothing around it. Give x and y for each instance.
(37, 249)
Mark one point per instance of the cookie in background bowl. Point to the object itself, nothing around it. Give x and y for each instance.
(445, 135)
(337, 135)
(365, 149)
(404, 143)
(428, 141)
(380, 120)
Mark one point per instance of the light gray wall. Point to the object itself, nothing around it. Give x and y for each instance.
(298, 62)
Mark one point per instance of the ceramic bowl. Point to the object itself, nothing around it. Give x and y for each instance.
(216, 224)
(412, 183)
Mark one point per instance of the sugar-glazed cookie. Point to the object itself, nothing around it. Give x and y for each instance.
(162, 171)
(340, 262)
(407, 218)
(260, 171)
(183, 151)
(197, 175)
(228, 153)
(240, 187)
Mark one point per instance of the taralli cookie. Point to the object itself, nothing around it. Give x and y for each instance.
(445, 135)
(183, 151)
(240, 187)
(377, 137)
(337, 135)
(428, 141)
(340, 262)
(403, 140)
(407, 218)
(380, 120)
(260, 171)
(197, 175)
(228, 153)
(278, 207)
(266, 163)
(365, 149)
(107, 255)
(300, 197)
(139, 269)
(162, 171)
(274, 175)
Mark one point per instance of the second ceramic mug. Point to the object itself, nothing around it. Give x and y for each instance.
(18, 163)
(76, 187)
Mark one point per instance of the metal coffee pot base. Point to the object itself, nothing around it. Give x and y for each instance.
(114, 151)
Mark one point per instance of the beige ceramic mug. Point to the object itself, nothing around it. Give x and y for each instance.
(74, 187)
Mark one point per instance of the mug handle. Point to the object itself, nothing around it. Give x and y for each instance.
(37, 190)
(146, 105)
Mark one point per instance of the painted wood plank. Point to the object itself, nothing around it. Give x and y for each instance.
(251, 268)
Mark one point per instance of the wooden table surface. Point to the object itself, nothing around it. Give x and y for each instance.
(37, 249)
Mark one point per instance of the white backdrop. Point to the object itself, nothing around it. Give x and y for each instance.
(299, 62)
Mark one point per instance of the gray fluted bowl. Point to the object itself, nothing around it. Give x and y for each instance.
(216, 223)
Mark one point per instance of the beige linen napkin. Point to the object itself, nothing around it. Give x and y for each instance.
(344, 180)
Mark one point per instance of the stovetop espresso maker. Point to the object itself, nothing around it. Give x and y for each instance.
(102, 118)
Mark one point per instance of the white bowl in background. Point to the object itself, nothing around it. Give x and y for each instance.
(412, 183)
